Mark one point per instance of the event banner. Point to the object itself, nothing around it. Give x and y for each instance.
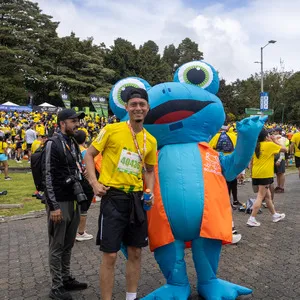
(96, 104)
(65, 99)
(48, 109)
(15, 108)
(104, 106)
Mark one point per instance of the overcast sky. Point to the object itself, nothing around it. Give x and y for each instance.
(229, 32)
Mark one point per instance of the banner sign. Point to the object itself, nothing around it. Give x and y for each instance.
(264, 101)
(96, 104)
(15, 108)
(86, 110)
(104, 106)
(65, 99)
(48, 109)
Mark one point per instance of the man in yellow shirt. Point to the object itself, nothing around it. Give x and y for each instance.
(295, 149)
(129, 155)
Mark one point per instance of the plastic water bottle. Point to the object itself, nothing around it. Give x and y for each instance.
(147, 201)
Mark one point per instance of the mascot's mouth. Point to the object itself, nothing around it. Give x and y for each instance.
(174, 111)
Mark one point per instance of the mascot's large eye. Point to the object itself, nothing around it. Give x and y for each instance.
(123, 86)
(196, 73)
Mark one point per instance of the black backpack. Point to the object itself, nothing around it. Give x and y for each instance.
(36, 166)
(224, 143)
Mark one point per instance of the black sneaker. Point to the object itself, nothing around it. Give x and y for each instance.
(60, 294)
(237, 203)
(72, 284)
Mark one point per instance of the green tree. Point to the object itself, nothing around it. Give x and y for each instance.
(78, 70)
(122, 58)
(188, 51)
(170, 56)
(150, 65)
(26, 36)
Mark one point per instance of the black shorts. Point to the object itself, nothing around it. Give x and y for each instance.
(28, 146)
(281, 168)
(88, 190)
(116, 223)
(262, 181)
(297, 161)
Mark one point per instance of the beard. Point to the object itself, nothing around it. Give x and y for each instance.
(71, 131)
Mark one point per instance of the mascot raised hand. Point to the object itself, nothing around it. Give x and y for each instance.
(191, 198)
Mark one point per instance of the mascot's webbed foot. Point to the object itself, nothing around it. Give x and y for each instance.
(218, 289)
(170, 292)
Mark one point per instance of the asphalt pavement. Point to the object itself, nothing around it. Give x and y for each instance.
(267, 259)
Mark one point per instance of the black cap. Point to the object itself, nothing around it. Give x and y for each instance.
(279, 129)
(136, 93)
(69, 113)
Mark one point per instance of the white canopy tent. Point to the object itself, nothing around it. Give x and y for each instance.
(10, 103)
(45, 104)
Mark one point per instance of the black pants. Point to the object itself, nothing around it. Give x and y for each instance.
(232, 188)
(61, 240)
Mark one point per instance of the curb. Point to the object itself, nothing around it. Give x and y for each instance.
(34, 214)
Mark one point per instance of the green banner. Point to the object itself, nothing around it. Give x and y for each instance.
(104, 106)
(257, 111)
(97, 105)
(86, 110)
(65, 99)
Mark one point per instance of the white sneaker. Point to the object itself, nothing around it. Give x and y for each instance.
(277, 217)
(236, 238)
(83, 237)
(253, 223)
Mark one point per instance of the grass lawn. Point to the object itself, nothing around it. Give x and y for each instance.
(23, 164)
(19, 189)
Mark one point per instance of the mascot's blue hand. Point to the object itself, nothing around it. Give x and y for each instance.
(251, 125)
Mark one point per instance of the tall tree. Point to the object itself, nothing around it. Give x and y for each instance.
(26, 35)
(79, 70)
(122, 58)
(151, 67)
(188, 51)
(170, 56)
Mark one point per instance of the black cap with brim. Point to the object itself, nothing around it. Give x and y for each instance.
(136, 93)
(69, 113)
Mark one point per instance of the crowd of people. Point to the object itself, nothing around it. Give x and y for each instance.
(73, 177)
(22, 133)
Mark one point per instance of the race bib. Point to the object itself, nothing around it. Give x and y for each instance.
(129, 163)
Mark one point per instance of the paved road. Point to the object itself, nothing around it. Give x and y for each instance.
(266, 260)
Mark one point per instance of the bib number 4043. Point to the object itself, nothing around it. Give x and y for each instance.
(129, 162)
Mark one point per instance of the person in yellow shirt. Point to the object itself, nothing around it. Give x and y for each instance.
(128, 154)
(295, 149)
(262, 168)
(40, 129)
(38, 143)
(3, 157)
(225, 142)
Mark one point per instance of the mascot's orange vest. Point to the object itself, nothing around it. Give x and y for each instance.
(217, 214)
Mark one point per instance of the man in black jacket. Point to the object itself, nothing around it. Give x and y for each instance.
(62, 167)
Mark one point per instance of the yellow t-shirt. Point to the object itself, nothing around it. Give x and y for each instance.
(3, 146)
(121, 167)
(263, 167)
(35, 145)
(40, 129)
(296, 140)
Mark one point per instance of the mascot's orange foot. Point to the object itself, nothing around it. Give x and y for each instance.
(170, 292)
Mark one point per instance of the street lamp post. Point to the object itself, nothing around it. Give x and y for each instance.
(282, 113)
(261, 62)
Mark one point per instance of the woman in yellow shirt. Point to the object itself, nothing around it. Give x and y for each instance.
(3, 157)
(263, 175)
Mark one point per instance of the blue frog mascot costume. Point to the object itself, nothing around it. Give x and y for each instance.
(191, 199)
